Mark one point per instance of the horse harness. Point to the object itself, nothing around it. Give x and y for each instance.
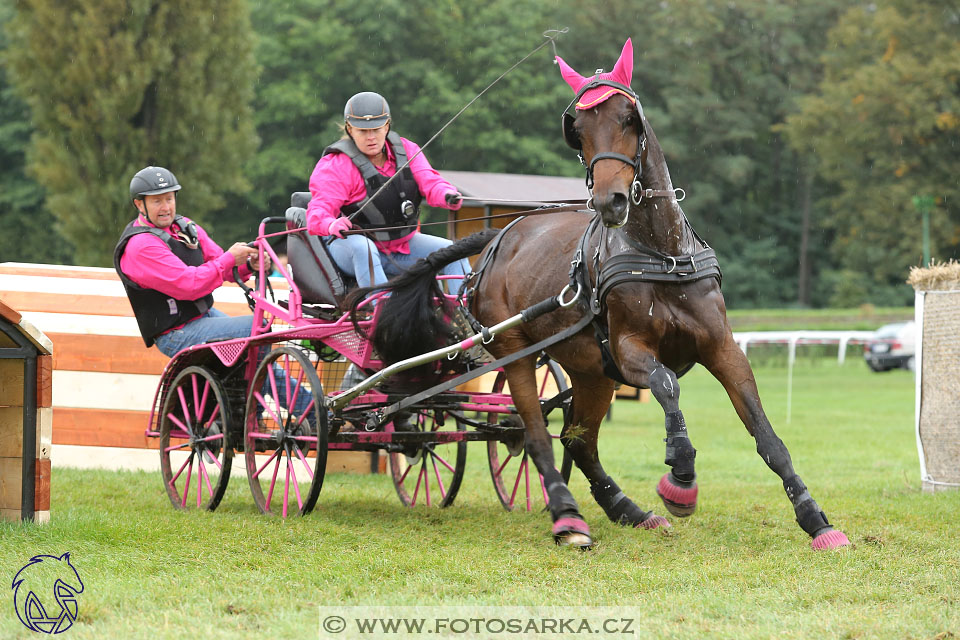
(646, 265)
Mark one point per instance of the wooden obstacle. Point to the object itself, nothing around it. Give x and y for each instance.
(25, 418)
(104, 378)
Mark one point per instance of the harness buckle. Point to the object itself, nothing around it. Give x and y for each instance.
(577, 259)
(673, 266)
(679, 194)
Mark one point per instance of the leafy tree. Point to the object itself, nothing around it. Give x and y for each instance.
(716, 81)
(884, 125)
(29, 234)
(428, 59)
(115, 85)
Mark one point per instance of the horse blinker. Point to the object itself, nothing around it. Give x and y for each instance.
(570, 134)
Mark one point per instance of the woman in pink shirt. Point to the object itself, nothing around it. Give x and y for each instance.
(352, 171)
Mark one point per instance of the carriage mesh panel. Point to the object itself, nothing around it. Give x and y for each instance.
(940, 388)
(228, 353)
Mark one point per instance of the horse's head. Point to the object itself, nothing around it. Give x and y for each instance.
(609, 130)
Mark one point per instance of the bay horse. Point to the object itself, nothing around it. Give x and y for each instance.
(654, 288)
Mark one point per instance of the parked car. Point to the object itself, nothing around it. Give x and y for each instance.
(891, 347)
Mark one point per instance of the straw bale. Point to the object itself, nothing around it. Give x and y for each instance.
(940, 387)
(942, 276)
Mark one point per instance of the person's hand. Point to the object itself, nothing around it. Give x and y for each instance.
(255, 262)
(338, 226)
(241, 252)
(453, 198)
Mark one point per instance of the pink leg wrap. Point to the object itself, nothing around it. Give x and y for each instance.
(680, 501)
(830, 540)
(653, 522)
(567, 525)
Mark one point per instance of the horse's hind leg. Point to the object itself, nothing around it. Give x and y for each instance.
(569, 526)
(591, 399)
(731, 368)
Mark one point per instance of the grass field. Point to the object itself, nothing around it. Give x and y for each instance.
(738, 568)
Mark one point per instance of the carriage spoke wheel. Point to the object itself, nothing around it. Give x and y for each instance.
(428, 473)
(285, 434)
(515, 476)
(195, 451)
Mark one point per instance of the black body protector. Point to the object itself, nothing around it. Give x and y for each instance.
(157, 312)
(397, 206)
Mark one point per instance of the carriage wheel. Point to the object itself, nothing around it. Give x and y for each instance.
(431, 473)
(285, 434)
(195, 448)
(515, 477)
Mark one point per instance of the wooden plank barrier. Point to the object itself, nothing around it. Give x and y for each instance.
(25, 418)
(103, 377)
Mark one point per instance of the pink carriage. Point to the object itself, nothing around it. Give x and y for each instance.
(283, 398)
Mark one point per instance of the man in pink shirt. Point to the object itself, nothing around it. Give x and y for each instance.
(170, 267)
(351, 171)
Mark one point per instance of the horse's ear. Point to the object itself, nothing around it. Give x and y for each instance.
(570, 133)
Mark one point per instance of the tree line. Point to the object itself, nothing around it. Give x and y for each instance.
(809, 135)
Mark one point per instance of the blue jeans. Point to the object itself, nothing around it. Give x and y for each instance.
(213, 325)
(354, 253)
(216, 325)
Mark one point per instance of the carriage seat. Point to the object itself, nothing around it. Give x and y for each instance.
(315, 273)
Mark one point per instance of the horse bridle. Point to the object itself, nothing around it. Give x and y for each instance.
(573, 140)
(637, 191)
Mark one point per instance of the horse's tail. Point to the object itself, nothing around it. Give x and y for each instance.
(408, 324)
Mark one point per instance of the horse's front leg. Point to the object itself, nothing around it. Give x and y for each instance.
(569, 527)
(678, 487)
(591, 400)
(731, 367)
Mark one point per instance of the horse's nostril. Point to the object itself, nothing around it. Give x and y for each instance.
(619, 202)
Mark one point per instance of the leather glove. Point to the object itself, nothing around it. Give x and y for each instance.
(338, 226)
(298, 218)
(453, 198)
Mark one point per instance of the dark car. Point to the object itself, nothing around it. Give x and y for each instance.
(891, 347)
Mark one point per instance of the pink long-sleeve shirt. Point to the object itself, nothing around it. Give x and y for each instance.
(148, 261)
(336, 182)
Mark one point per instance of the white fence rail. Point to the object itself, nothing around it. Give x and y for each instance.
(794, 338)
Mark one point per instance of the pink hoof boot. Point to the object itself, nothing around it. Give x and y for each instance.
(572, 532)
(832, 539)
(680, 498)
(653, 521)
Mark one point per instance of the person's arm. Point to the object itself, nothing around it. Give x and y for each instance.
(148, 261)
(432, 185)
(335, 182)
(212, 251)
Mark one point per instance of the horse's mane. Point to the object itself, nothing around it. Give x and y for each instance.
(411, 320)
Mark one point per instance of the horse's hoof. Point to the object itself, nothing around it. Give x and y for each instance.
(832, 539)
(572, 532)
(680, 498)
(576, 540)
(653, 521)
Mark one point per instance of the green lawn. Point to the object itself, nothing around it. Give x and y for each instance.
(738, 568)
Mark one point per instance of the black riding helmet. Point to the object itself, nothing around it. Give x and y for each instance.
(152, 181)
(366, 110)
